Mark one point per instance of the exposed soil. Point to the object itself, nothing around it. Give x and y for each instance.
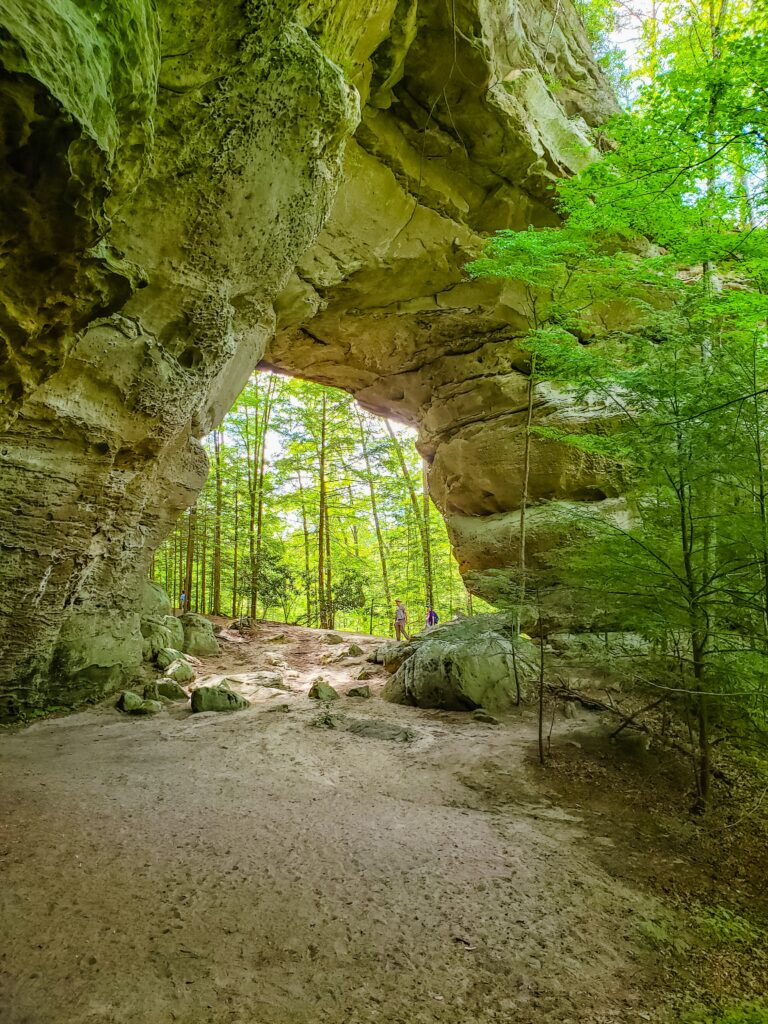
(270, 867)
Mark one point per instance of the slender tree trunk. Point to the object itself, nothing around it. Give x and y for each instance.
(182, 573)
(525, 489)
(307, 560)
(216, 573)
(203, 557)
(375, 514)
(323, 608)
(330, 611)
(188, 578)
(234, 554)
(260, 486)
(418, 513)
(428, 583)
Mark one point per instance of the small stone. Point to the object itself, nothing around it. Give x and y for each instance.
(481, 715)
(148, 707)
(365, 673)
(199, 638)
(167, 655)
(333, 638)
(359, 691)
(217, 698)
(180, 671)
(171, 689)
(355, 650)
(322, 691)
(129, 702)
(278, 638)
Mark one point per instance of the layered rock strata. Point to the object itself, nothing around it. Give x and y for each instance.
(466, 127)
(166, 170)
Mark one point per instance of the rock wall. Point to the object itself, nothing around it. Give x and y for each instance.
(166, 171)
(465, 128)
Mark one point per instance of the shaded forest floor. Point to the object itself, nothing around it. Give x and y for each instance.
(272, 867)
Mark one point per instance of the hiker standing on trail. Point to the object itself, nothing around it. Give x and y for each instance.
(432, 617)
(401, 618)
(182, 601)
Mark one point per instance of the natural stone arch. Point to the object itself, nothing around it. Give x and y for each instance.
(172, 165)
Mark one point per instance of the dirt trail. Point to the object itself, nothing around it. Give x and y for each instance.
(253, 869)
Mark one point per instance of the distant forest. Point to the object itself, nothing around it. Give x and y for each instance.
(314, 512)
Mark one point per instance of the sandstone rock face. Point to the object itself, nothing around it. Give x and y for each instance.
(462, 132)
(165, 172)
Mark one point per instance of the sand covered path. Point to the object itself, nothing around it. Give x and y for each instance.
(260, 868)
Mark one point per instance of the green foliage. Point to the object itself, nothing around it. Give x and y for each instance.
(726, 927)
(650, 307)
(747, 1013)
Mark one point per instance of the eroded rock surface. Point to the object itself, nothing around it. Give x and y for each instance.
(166, 170)
(465, 127)
(464, 665)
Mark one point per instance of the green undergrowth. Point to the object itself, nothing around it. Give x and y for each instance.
(727, 928)
(747, 1013)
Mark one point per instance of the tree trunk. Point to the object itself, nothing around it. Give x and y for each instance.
(330, 611)
(234, 555)
(191, 527)
(307, 560)
(525, 489)
(418, 513)
(216, 573)
(265, 417)
(203, 557)
(375, 514)
(427, 539)
(323, 608)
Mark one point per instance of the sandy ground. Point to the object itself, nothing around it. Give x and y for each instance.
(254, 868)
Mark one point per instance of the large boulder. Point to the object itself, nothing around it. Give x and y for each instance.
(217, 698)
(160, 632)
(180, 671)
(464, 666)
(392, 654)
(167, 655)
(320, 690)
(199, 637)
(155, 603)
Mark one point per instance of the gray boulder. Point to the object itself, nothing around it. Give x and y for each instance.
(199, 638)
(167, 655)
(333, 638)
(180, 671)
(155, 603)
(392, 654)
(129, 702)
(355, 650)
(468, 665)
(322, 691)
(133, 704)
(217, 698)
(159, 632)
(165, 690)
(359, 691)
(148, 707)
